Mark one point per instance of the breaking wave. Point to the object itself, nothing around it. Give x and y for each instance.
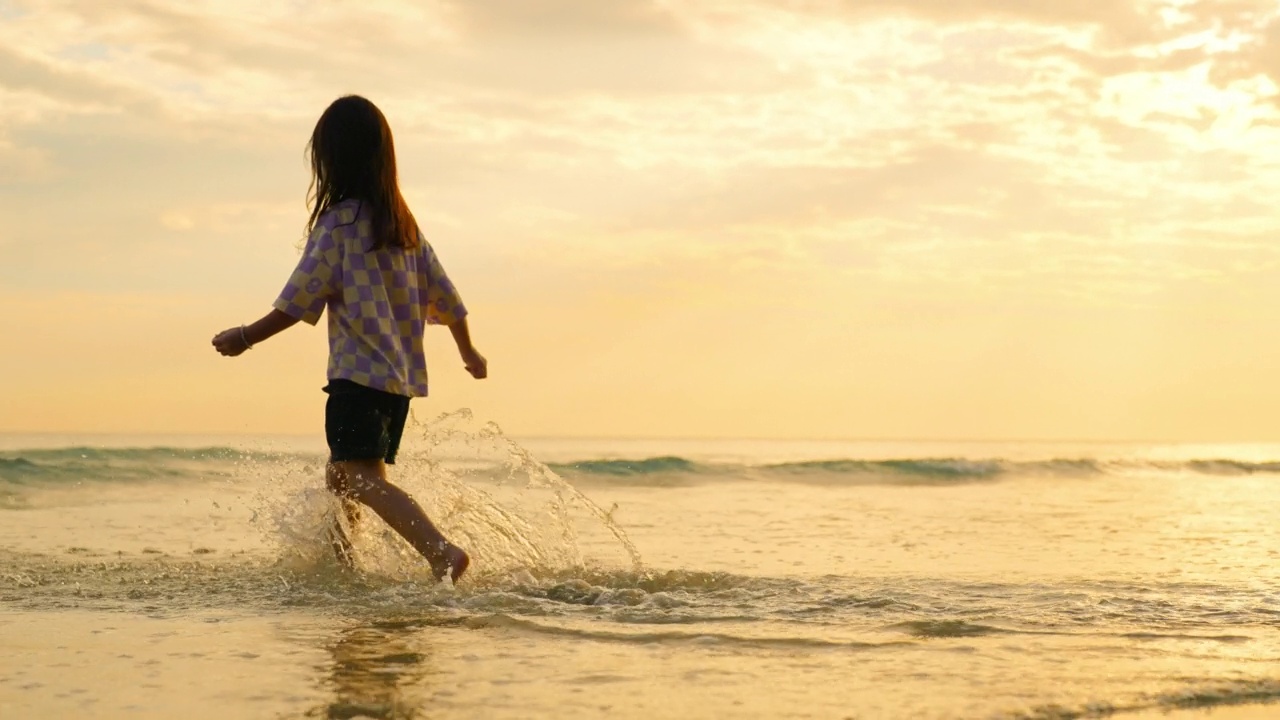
(912, 470)
(87, 464)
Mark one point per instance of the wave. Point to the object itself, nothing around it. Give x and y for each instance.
(648, 466)
(1198, 695)
(81, 464)
(906, 470)
(740, 642)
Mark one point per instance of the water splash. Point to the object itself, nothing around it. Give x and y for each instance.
(516, 511)
(484, 491)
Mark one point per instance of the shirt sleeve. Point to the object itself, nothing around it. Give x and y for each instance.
(314, 281)
(444, 305)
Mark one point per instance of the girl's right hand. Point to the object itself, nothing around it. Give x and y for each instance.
(475, 363)
(231, 342)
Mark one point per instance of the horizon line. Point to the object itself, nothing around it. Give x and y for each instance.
(678, 438)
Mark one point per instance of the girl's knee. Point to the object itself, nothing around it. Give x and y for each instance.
(356, 478)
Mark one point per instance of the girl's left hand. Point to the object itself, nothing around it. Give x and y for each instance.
(475, 363)
(230, 342)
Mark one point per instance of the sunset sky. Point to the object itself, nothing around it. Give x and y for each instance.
(725, 218)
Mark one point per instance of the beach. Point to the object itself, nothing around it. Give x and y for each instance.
(640, 579)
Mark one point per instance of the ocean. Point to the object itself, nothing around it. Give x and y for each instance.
(190, 577)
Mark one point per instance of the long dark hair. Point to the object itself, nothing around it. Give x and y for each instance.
(354, 157)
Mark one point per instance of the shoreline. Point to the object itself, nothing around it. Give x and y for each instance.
(1242, 711)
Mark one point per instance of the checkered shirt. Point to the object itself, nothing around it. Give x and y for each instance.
(379, 301)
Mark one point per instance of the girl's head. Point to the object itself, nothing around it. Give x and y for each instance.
(353, 157)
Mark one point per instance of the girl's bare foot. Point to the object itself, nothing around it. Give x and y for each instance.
(452, 562)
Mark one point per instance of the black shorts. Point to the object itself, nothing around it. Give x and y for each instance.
(361, 423)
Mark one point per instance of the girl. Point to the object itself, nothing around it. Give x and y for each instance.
(368, 263)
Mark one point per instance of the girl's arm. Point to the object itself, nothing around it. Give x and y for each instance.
(471, 358)
(236, 340)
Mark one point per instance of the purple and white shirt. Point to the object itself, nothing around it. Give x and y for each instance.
(379, 301)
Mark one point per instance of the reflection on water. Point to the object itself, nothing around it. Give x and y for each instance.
(378, 670)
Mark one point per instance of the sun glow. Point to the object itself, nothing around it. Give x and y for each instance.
(816, 219)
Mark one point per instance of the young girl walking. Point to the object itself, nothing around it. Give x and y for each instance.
(367, 262)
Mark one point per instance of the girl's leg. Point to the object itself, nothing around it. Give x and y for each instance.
(342, 546)
(366, 482)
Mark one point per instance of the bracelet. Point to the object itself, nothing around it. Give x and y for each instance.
(247, 345)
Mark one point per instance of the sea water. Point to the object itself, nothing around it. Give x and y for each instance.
(191, 577)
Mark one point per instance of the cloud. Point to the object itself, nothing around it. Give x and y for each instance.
(1261, 53)
(966, 123)
(1125, 22)
(607, 21)
(66, 86)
